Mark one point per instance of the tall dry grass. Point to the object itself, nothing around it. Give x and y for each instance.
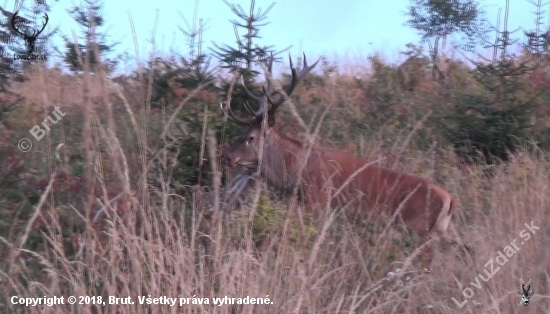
(137, 237)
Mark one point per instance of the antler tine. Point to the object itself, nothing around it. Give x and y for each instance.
(247, 106)
(274, 103)
(269, 90)
(270, 63)
(236, 119)
(262, 101)
(269, 77)
(249, 93)
(257, 99)
(305, 69)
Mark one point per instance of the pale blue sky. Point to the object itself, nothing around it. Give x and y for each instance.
(345, 29)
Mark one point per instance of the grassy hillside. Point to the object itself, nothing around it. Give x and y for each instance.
(106, 204)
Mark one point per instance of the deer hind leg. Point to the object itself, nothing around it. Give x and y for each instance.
(466, 252)
(448, 235)
(425, 233)
(427, 254)
(438, 230)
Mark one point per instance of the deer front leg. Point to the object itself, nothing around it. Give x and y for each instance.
(315, 198)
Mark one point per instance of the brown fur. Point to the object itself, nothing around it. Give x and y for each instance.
(372, 188)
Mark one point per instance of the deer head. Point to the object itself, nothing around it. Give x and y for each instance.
(525, 294)
(244, 150)
(29, 39)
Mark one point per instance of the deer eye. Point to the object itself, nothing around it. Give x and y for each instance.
(250, 139)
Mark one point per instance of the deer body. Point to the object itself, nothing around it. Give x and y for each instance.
(424, 207)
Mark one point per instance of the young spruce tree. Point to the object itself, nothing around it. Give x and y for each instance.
(490, 121)
(241, 58)
(81, 15)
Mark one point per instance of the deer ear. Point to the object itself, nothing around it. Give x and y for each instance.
(531, 292)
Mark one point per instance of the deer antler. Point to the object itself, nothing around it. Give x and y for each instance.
(296, 77)
(34, 33)
(528, 287)
(276, 100)
(257, 116)
(237, 120)
(43, 26)
(521, 289)
(13, 22)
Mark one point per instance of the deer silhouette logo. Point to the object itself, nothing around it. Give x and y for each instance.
(29, 39)
(525, 294)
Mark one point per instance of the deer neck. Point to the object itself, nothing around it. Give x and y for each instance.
(280, 161)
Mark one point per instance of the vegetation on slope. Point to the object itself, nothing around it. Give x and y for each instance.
(125, 195)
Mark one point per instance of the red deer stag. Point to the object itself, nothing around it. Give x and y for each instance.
(425, 207)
